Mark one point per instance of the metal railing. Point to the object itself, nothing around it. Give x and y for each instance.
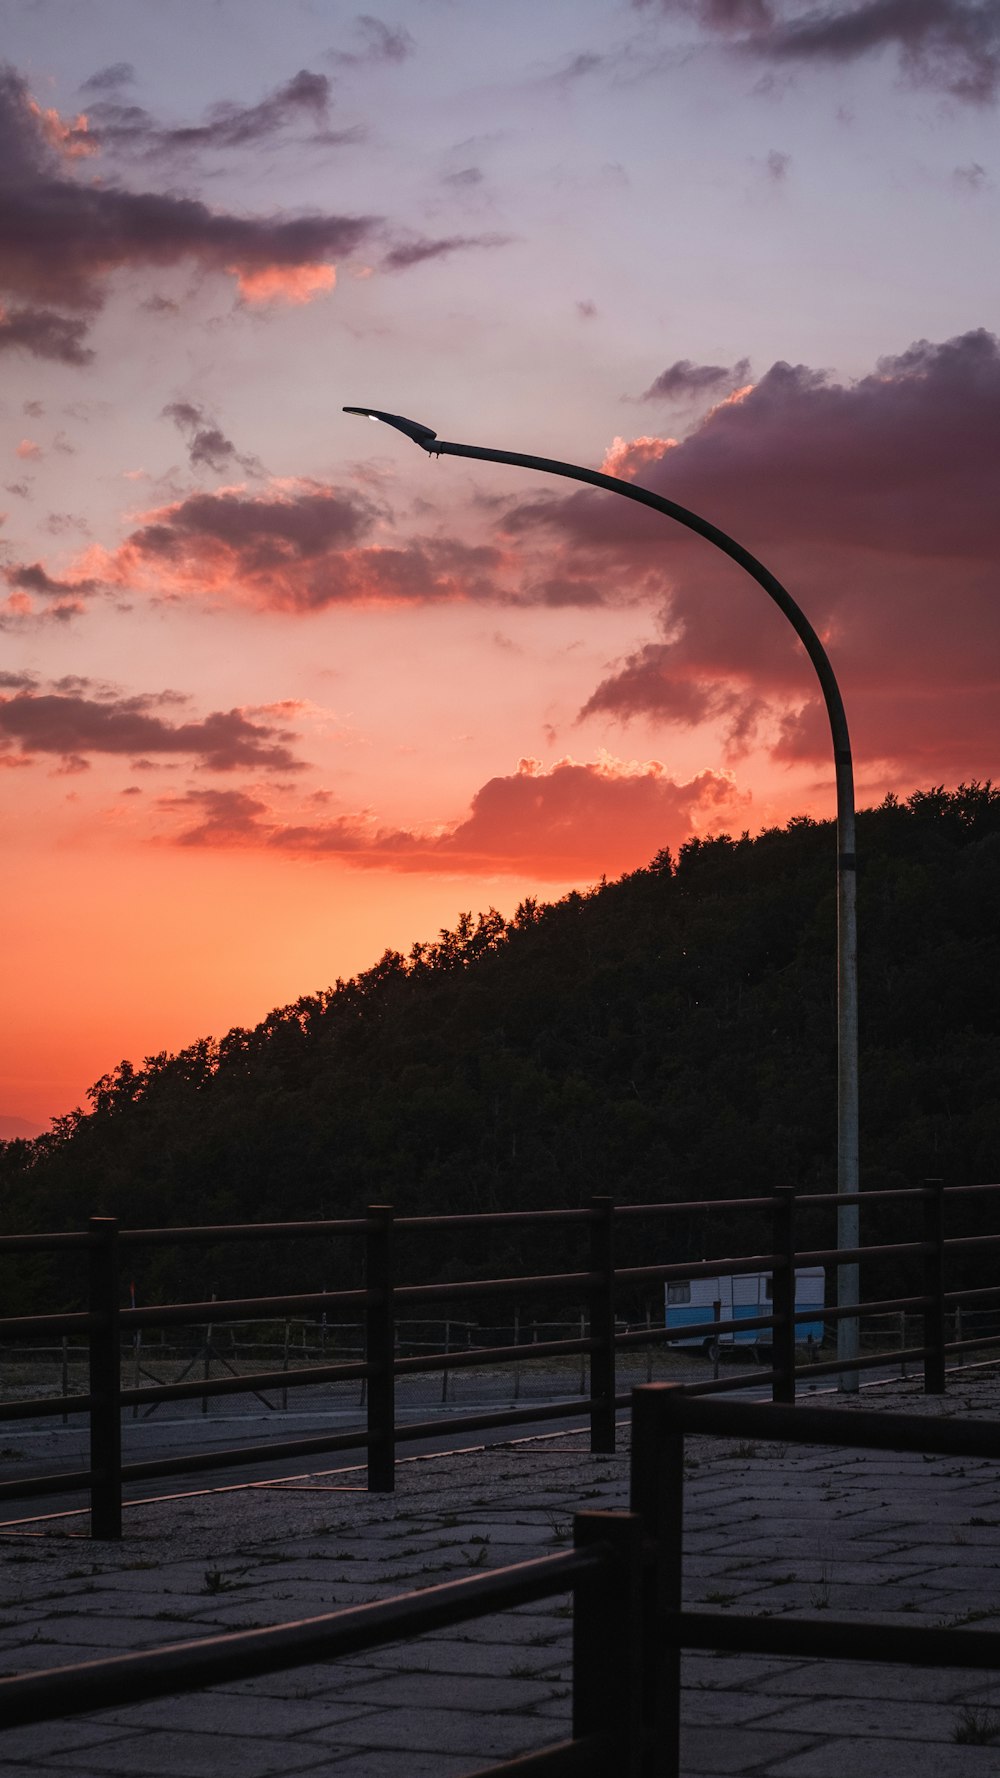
(598, 1285)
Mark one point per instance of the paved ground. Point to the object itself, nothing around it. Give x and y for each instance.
(770, 1530)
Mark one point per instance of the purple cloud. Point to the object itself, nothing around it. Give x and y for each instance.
(62, 239)
(70, 724)
(207, 445)
(685, 381)
(44, 334)
(414, 252)
(952, 46)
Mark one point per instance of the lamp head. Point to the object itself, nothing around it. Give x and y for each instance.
(421, 435)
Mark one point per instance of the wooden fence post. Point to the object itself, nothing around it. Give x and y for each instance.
(783, 1293)
(607, 1642)
(656, 1494)
(105, 1380)
(934, 1331)
(380, 1350)
(601, 1295)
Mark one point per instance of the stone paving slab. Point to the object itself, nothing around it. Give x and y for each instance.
(772, 1530)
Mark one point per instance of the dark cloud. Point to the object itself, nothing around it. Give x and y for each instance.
(45, 334)
(207, 445)
(61, 238)
(560, 589)
(685, 381)
(304, 98)
(59, 524)
(73, 725)
(874, 502)
(225, 817)
(306, 548)
(777, 164)
(970, 178)
(284, 551)
(716, 15)
(578, 67)
(108, 80)
(906, 459)
(952, 46)
(31, 577)
(465, 177)
(379, 43)
(416, 251)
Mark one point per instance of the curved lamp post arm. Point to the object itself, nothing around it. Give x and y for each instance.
(847, 946)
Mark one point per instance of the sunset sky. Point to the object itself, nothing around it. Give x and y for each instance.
(277, 691)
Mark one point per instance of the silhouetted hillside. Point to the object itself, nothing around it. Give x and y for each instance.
(668, 1035)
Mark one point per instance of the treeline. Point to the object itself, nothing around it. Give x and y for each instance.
(668, 1036)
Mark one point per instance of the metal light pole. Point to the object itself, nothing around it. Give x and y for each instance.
(847, 944)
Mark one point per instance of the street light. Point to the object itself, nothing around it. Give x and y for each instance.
(847, 945)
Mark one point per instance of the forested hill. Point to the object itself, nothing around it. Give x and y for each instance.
(668, 1035)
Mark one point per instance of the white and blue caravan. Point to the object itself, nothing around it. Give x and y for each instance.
(742, 1297)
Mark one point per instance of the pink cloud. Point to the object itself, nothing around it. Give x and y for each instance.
(289, 284)
(567, 820)
(628, 457)
(296, 547)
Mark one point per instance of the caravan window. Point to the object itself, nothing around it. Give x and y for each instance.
(678, 1293)
(769, 1289)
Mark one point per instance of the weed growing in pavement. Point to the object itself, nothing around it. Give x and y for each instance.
(976, 1727)
(216, 1582)
(975, 1615)
(819, 1598)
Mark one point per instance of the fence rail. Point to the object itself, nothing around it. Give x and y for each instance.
(597, 1284)
(663, 1416)
(625, 1573)
(603, 1573)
